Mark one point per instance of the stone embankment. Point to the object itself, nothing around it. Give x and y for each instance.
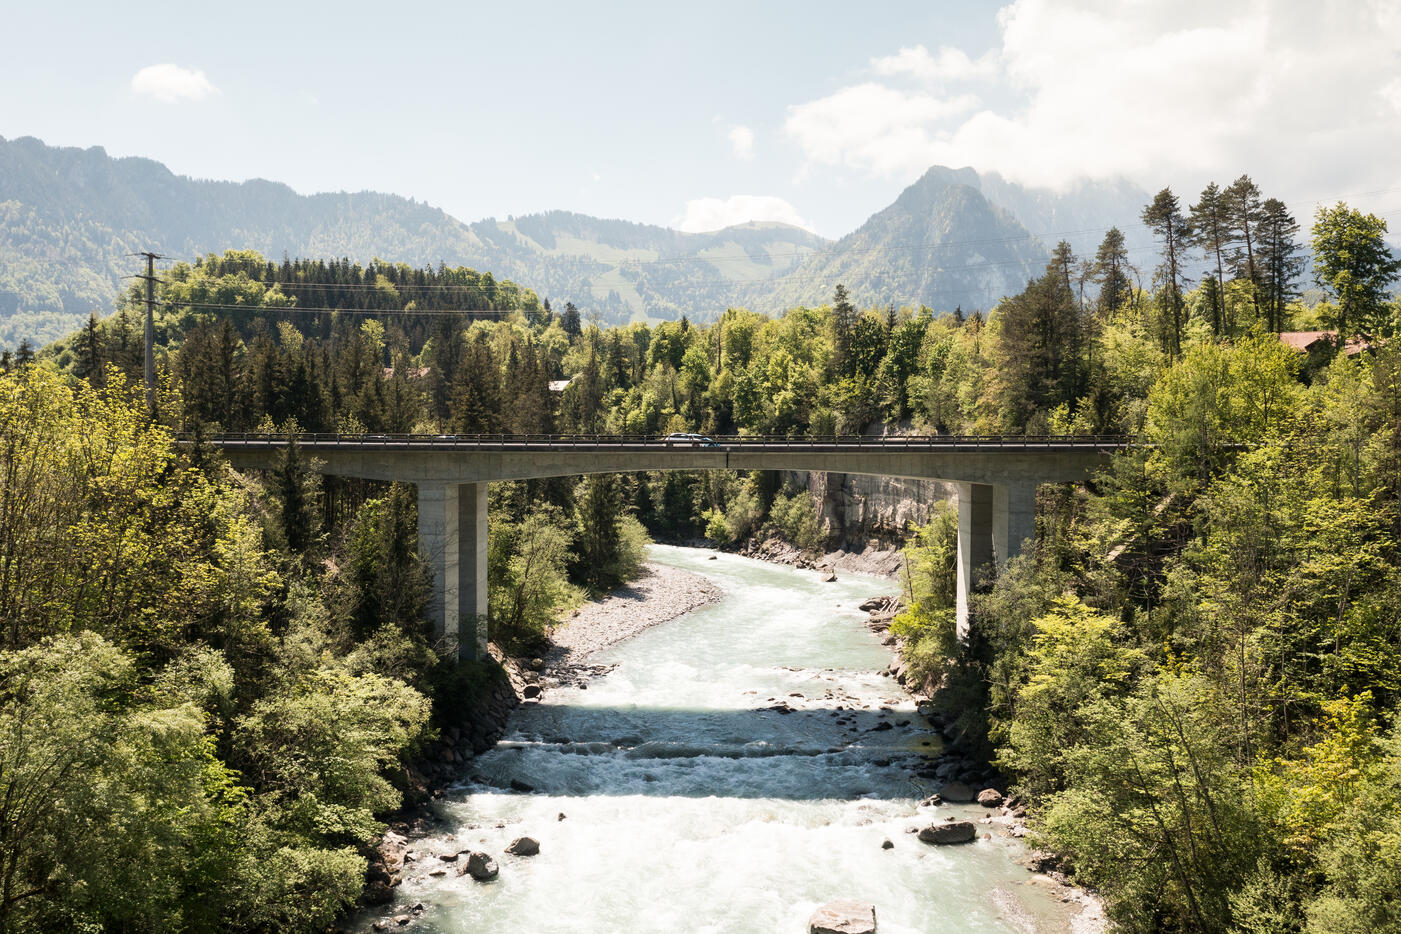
(875, 558)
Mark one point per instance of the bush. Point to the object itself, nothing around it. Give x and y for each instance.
(795, 518)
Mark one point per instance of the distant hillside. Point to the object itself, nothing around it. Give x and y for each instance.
(70, 218)
(942, 243)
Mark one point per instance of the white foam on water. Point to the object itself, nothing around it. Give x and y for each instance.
(690, 808)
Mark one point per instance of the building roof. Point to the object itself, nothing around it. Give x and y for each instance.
(1305, 341)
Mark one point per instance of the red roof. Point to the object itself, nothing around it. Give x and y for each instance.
(1305, 341)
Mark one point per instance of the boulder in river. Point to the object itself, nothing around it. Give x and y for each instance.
(524, 846)
(954, 831)
(830, 577)
(843, 917)
(480, 866)
(956, 793)
(531, 690)
(990, 797)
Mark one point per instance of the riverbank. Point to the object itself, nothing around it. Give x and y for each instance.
(661, 594)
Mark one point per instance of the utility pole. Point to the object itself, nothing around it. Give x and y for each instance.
(149, 337)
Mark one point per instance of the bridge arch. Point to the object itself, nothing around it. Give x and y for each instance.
(995, 480)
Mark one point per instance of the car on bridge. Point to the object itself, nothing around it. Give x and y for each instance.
(683, 437)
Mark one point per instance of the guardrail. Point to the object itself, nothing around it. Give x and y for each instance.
(728, 442)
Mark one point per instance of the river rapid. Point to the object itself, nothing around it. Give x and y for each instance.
(667, 797)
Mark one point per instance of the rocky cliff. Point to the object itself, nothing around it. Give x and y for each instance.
(861, 512)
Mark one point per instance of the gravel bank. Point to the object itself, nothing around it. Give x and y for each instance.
(662, 593)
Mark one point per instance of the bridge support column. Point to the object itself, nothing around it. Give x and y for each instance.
(452, 528)
(993, 522)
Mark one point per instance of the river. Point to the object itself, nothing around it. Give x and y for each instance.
(668, 799)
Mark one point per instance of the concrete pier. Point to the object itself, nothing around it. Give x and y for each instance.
(452, 540)
(995, 521)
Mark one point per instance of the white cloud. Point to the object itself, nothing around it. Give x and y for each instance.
(949, 65)
(706, 214)
(742, 141)
(170, 83)
(872, 126)
(1157, 90)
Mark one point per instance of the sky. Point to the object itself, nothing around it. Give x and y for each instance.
(699, 116)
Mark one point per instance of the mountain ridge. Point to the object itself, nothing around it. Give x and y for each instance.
(70, 217)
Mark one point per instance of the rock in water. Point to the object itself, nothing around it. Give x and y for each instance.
(830, 578)
(990, 797)
(954, 831)
(843, 917)
(524, 846)
(956, 793)
(480, 866)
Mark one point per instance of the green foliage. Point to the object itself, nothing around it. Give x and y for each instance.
(1353, 262)
(526, 577)
(795, 518)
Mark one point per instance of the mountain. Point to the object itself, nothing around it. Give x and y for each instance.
(71, 218)
(942, 243)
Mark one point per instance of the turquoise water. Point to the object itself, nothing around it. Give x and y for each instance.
(690, 808)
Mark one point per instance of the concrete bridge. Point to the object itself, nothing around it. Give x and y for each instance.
(996, 479)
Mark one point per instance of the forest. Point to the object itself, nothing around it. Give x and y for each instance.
(1193, 677)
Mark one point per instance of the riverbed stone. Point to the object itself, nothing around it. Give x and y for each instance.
(524, 846)
(954, 831)
(990, 798)
(480, 866)
(846, 916)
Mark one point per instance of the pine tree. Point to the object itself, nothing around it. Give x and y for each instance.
(599, 538)
(570, 322)
(1281, 261)
(1164, 216)
(1210, 232)
(1243, 213)
(843, 324)
(1111, 271)
(87, 346)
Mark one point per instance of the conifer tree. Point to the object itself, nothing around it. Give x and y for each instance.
(1111, 271)
(1281, 261)
(1164, 216)
(1210, 230)
(87, 347)
(1243, 213)
(843, 324)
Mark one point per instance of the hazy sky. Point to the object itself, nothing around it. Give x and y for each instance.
(812, 112)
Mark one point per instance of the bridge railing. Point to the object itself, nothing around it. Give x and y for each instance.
(379, 439)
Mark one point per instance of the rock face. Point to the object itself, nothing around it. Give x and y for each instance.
(843, 917)
(480, 866)
(524, 846)
(954, 831)
(956, 793)
(855, 507)
(990, 798)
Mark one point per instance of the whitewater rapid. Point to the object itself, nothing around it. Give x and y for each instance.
(668, 795)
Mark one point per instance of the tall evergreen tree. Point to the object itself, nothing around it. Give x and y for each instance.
(843, 324)
(1281, 261)
(1244, 214)
(1112, 273)
(87, 347)
(570, 322)
(1164, 216)
(1038, 344)
(1211, 233)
